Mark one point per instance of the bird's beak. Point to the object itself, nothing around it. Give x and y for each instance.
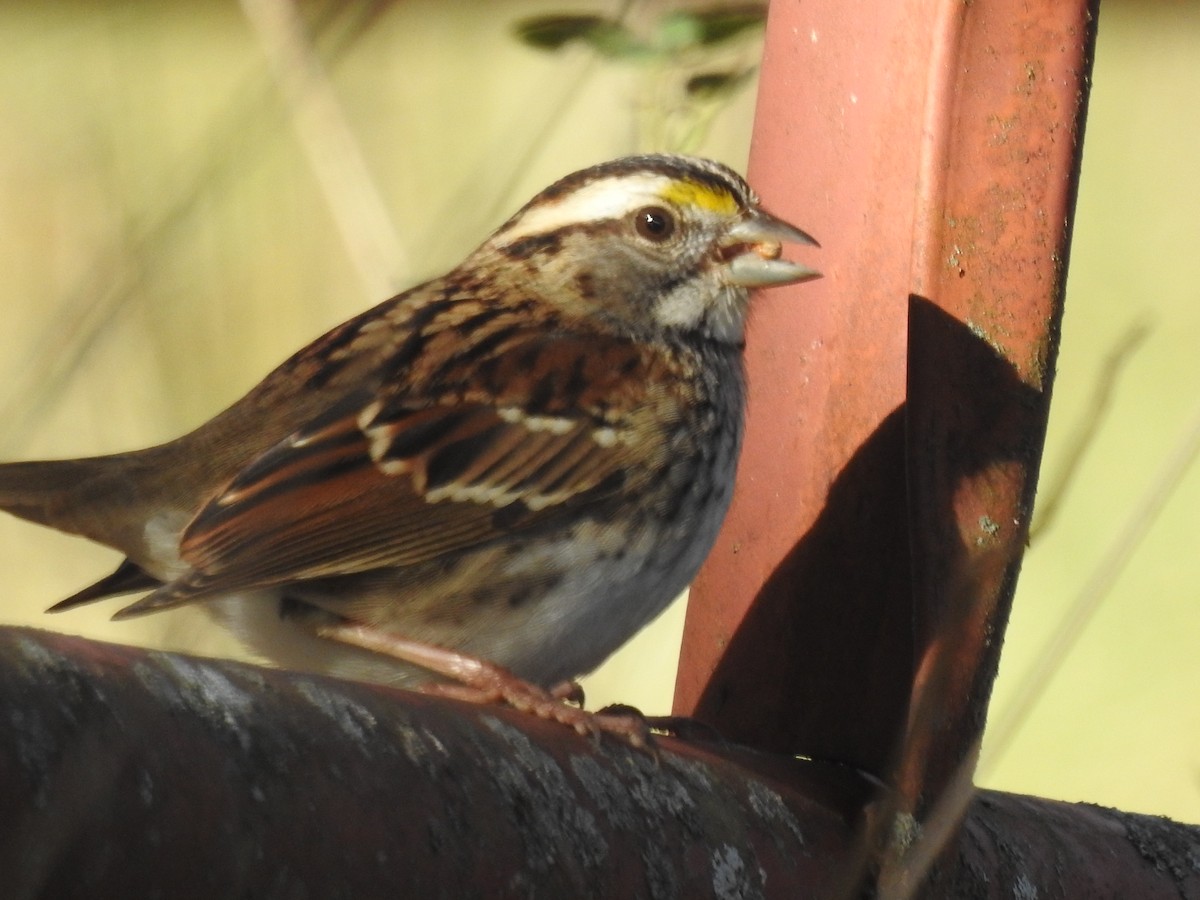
(754, 245)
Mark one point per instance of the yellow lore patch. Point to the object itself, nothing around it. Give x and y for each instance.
(706, 196)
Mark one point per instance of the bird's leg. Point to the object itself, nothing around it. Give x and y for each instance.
(476, 680)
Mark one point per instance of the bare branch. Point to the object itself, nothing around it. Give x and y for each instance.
(132, 773)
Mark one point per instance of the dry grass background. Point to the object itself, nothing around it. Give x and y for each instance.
(168, 233)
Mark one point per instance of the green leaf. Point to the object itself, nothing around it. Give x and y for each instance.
(715, 85)
(722, 23)
(608, 38)
(678, 31)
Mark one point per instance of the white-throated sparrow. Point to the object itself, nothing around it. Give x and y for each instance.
(523, 461)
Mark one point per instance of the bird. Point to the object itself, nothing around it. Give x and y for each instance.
(482, 486)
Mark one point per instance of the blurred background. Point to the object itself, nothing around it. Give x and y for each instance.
(190, 192)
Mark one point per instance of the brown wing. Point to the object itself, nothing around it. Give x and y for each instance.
(361, 495)
(398, 483)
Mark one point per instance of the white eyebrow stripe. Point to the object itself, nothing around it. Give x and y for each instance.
(609, 198)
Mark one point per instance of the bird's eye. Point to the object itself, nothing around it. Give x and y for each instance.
(654, 223)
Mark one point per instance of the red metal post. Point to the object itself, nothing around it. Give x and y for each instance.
(860, 588)
(797, 631)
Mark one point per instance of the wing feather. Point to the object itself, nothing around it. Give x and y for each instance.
(399, 480)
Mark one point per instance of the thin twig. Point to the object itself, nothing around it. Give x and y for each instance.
(328, 142)
(111, 285)
(1051, 495)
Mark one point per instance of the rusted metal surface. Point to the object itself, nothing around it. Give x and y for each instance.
(796, 628)
(854, 605)
(989, 270)
(128, 773)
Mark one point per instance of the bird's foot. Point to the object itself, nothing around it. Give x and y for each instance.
(476, 680)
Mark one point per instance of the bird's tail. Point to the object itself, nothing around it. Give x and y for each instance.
(98, 497)
(44, 492)
(104, 498)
